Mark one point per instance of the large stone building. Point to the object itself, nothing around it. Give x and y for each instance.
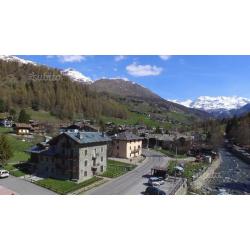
(126, 145)
(73, 156)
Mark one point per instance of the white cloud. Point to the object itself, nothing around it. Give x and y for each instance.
(119, 58)
(74, 58)
(135, 69)
(165, 58)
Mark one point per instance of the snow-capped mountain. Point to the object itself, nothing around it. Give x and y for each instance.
(219, 106)
(76, 76)
(209, 103)
(186, 103)
(16, 59)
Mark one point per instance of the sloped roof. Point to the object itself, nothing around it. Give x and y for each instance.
(126, 136)
(88, 137)
(22, 125)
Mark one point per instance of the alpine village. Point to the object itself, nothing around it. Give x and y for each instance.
(60, 135)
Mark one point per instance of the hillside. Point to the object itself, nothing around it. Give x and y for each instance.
(141, 99)
(42, 88)
(122, 87)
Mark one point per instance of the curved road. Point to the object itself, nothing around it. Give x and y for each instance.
(133, 181)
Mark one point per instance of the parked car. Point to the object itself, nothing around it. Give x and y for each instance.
(154, 191)
(4, 173)
(155, 181)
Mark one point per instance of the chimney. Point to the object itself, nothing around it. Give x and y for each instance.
(80, 135)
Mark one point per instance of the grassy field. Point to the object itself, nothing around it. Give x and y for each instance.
(115, 169)
(18, 146)
(42, 116)
(180, 117)
(133, 119)
(64, 186)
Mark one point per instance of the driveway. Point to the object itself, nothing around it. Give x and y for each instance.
(132, 183)
(23, 187)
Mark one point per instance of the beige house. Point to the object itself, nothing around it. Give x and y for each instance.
(126, 145)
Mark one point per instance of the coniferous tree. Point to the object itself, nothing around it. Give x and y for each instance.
(23, 117)
(5, 150)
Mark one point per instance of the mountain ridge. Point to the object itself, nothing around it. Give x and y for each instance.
(219, 106)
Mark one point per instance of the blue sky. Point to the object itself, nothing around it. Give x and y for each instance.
(172, 77)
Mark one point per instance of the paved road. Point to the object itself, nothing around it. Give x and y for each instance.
(232, 177)
(133, 181)
(23, 187)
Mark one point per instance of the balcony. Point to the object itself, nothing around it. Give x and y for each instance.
(95, 155)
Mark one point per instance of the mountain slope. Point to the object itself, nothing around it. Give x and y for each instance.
(123, 88)
(242, 111)
(138, 97)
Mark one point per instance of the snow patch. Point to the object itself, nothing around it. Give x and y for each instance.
(9, 58)
(76, 76)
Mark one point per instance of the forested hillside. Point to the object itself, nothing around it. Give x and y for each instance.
(238, 130)
(43, 88)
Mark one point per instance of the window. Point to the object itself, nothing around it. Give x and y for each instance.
(86, 151)
(102, 158)
(101, 169)
(101, 149)
(117, 147)
(85, 163)
(85, 173)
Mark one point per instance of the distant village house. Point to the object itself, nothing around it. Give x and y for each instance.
(126, 145)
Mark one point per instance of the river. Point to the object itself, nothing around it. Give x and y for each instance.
(231, 177)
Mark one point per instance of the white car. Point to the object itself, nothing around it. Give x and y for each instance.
(155, 181)
(4, 173)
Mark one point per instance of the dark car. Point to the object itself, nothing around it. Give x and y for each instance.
(154, 191)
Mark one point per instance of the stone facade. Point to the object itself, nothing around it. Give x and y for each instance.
(66, 158)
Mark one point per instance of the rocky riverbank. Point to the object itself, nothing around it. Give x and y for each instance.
(200, 182)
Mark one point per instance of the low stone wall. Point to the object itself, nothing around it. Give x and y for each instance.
(200, 181)
(180, 188)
